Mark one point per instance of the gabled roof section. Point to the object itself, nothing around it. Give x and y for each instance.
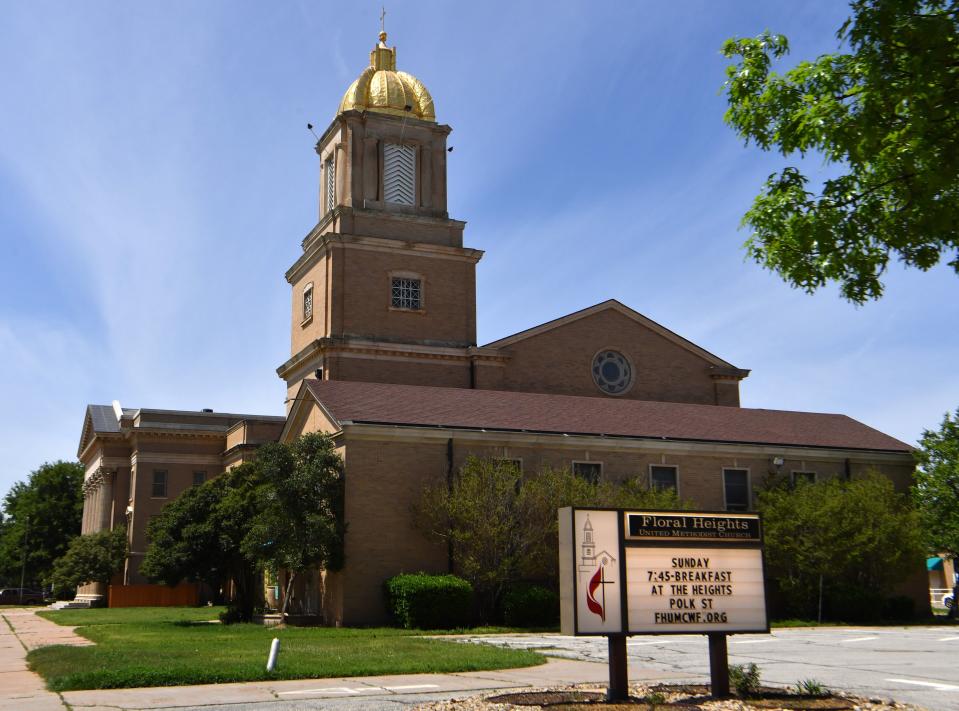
(461, 408)
(613, 305)
(100, 419)
(305, 396)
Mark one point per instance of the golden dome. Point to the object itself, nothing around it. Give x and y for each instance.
(382, 89)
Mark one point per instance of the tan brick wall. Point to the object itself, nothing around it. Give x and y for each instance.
(303, 333)
(385, 478)
(440, 373)
(361, 297)
(382, 483)
(559, 361)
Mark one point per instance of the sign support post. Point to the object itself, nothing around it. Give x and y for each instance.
(718, 665)
(618, 670)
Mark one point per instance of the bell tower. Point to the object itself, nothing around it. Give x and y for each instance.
(384, 291)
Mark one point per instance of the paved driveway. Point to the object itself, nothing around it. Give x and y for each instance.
(918, 665)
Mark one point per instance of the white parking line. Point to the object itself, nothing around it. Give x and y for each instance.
(936, 685)
(412, 686)
(858, 639)
(948, 639)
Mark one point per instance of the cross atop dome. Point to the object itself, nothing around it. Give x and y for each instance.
(382, 89)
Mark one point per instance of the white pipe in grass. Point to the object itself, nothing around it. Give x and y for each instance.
(274, 652)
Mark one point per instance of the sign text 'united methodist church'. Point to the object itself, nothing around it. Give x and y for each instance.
(655, 572)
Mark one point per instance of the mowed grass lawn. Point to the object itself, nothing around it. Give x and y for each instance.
(175, 646)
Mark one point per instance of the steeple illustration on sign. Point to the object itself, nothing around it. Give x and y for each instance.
(593, 565)
(590, 558)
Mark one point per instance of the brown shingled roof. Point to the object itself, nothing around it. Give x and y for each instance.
(533, 412)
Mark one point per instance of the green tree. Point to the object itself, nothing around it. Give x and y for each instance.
(936, 490)
(40, 516)
(282, 510)
(885, 113)
(501, 524)
(199, 537)
(93, 558)
(299, 524)
(851, 540)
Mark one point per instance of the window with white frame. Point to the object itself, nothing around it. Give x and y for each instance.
(159, 483)
(663, 477)
(590, 471)
(399, 174)
(736, 489)
(803, 476)
(308, 302)
(330, 172)
(406, 293)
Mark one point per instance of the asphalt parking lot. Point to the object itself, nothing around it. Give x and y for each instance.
(918, 665)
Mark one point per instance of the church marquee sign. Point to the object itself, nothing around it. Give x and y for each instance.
(628, 572)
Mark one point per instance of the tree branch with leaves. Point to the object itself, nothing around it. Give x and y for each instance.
(885, 113)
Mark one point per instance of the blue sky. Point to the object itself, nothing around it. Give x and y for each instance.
(156, 178)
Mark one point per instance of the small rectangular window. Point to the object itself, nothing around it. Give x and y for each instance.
(399, 174)
(407, 294)
(809, 477)
(516, 464)
(198, 478)
(663, 477)
(159, 483)
(330, 171)
(590, 471)
(736, 489)
(308, 303)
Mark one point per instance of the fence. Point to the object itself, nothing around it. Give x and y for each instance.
(936, 595)
(153, 595)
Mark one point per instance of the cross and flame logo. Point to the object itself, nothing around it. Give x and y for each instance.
(598, 581)
(594, 562)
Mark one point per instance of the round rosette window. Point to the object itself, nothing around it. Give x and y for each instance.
(612, 372)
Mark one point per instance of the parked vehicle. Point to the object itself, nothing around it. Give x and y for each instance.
(30, 596)
(948, 601)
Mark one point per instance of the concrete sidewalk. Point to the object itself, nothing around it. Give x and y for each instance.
(20, 631)
(357, 692)
(22, 690)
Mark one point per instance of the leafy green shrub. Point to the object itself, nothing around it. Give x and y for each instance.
(899, 607)
(843, 544)
(744, 678)
(424, 601)
(232, 615)
(811, 687)
(527, 605)
(654, 699)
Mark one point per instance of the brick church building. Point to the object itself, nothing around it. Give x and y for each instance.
(384, 357)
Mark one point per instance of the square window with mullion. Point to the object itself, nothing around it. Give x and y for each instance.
(406, 294)
(590, 471)
(736, 489)
(663, 478)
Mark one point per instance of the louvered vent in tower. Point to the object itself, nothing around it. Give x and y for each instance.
(399, 174)
(330, 185)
